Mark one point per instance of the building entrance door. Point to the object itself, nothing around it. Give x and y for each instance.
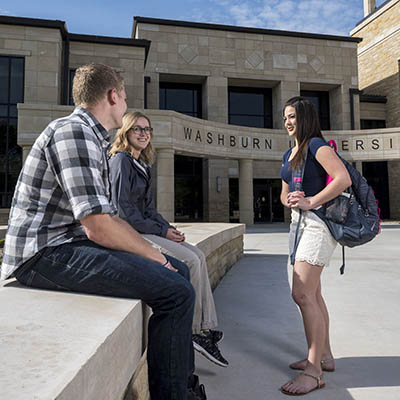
(262, 202)
(188, 189)
(376, 173)
(267, 205)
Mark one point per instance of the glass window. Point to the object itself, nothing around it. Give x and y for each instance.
(3, 139)
(320, 100)
(181, 97)
(188, 188)
(11, 93)
(250, 107)
(71, 79)
(3, 111)
(373, 123)
(16, 80)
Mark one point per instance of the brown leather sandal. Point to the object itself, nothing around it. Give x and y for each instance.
(324, 367)
(320, 385)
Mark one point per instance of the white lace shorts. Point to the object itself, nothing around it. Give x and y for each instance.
(316, 243)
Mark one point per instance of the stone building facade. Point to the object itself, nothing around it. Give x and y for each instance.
(214, 94)
(379, 74)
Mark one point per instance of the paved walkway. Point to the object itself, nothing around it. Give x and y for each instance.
(264, 331)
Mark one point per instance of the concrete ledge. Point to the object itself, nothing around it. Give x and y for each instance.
(66, 346)
(222, 243)
(56, 345)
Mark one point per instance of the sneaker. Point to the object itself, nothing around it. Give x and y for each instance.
(204, 344)
(195, 390)
(217, 336)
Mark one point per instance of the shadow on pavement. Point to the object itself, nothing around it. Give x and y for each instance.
(359, 372)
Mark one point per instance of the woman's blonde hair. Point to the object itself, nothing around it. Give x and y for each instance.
(121, 143)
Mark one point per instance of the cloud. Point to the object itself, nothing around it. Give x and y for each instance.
(320, 16)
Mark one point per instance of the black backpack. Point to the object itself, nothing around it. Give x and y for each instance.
(353, 217)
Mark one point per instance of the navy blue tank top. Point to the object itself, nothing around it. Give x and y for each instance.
(314, 179)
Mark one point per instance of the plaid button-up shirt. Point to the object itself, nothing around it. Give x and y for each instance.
(64, 179)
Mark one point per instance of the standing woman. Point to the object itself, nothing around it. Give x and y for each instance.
(316, 244)
(131, 157)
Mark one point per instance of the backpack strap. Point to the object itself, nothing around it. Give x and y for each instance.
(297, 180)
(343, 262)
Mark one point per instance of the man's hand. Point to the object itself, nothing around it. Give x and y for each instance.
(115, 233)
(175, 235)
(169, 266)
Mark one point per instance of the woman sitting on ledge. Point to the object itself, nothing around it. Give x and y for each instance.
(131, 157)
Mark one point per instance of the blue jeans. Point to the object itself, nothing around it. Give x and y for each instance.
(86, 267)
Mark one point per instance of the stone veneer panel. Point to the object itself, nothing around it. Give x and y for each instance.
(373, 111)
(219, 262)
(128, 60)
(378, 56)
(220, 55)
(394, 184)
(41, 49)
(170, 128)
(218, 201)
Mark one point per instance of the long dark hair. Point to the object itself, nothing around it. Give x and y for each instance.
(307, 127)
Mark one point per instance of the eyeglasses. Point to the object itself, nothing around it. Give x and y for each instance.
(138, 130)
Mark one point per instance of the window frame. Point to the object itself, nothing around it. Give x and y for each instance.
(195, 87)
(267, 106)
(324, 111)
(6, 195)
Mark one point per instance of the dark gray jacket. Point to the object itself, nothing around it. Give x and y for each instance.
(133, 197)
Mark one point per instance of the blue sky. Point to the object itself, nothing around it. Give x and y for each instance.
(115, 17)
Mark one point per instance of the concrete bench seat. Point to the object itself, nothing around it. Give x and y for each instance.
(57, 345)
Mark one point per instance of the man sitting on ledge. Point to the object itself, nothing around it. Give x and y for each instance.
(63, 232)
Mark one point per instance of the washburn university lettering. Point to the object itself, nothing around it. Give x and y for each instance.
(256, 143)
(244, 142)
(359, 144)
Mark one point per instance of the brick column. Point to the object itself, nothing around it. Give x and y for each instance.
(165, 184)
(246, 208)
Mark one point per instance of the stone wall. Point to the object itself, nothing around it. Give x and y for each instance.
(389, 87)
(221, 58)
(219, 261)
(42, 50)
(394, 184)
(129, 60)
(218, 198)
(372, 111)
(378, 55)
(114, 332)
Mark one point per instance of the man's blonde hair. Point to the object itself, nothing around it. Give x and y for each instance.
(121, 142)
(93, 81)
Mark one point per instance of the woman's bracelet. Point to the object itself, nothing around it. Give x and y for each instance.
(165, 264)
